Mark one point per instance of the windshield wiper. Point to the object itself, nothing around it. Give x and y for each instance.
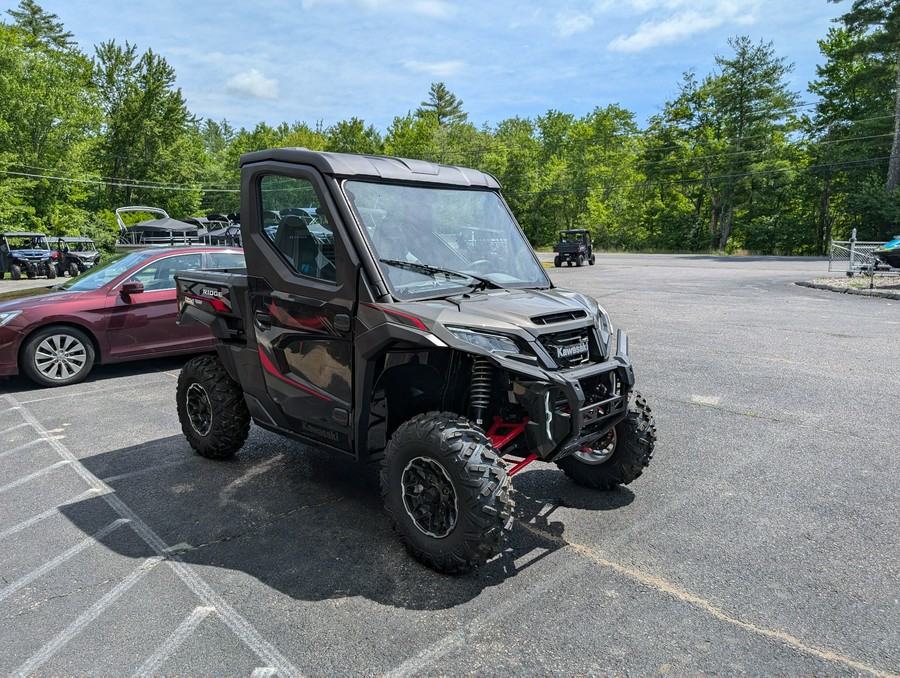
(481, 283)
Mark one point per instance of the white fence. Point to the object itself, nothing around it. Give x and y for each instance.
(853, 256)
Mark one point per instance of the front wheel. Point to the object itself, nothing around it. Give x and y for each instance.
(15, 272)
(73, 270)
(557, 261)
(211, 408)
(619, 457)
(446, 492)
(580, 260)
(591, 260)
(51, 271)
(57, 356)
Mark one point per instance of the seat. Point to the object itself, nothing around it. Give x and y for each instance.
(298, 245)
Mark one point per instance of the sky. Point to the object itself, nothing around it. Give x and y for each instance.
(331, 60)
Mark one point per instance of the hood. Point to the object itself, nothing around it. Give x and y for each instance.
(30, 298)
(510, 311)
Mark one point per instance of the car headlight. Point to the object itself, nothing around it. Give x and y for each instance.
(7, 317)
(493, 343)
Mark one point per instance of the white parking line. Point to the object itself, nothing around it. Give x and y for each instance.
(34, 520)
(60, 559)
(37, 474)
(173, 642)
(45, 653)
(238, 625)
(13, 428)
(25, 446)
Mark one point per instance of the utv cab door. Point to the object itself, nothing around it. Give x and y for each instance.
(302, 299)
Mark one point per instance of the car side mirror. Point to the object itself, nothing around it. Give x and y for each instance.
(130, 287)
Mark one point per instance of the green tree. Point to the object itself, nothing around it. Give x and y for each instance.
(353, 136)
(443, 105)
(41, 26)
(876, 23)
(47, 112)
(149, 148)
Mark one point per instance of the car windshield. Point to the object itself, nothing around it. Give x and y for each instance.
(110, 270)
(431, 241)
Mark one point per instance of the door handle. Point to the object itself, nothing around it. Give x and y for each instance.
(264, 320)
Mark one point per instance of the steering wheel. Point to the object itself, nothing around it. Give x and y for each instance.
(475, 265)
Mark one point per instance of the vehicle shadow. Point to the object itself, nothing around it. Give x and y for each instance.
(307, 523)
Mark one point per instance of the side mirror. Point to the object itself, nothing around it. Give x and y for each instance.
(130, 287)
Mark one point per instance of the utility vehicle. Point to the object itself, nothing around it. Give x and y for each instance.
(363, 325)
(25, 254)
(574, 247)
(74, 255)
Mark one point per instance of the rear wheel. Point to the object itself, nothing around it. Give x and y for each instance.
(73, 270)
(51, 271)
(619, 457)
(557, 261)
(580, 260)
(446, 492)
(57, 356)
(15, 272)
(592, 259)
(211, 408)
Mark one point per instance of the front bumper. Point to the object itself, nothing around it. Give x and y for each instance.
(573, 408)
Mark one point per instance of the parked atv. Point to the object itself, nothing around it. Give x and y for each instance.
(394, 342)
(74, 255)
(25, 253)
(574, 247)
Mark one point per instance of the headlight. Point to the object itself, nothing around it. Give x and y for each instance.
(493, 343)
(7, 316)
(602, 321)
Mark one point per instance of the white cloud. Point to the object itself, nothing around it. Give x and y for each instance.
(252, 84)
(568, 24)
(441, 69)
(671, 23)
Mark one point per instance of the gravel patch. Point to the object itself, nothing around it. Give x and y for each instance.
(886, 286)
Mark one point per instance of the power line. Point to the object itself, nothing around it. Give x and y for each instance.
(120, 185)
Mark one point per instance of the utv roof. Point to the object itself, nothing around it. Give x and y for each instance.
(20, 234)
(347, 165)
(73, 238)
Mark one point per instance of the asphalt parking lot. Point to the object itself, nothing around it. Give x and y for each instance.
(763, 539)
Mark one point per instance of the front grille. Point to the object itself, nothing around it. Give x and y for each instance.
(568, 348)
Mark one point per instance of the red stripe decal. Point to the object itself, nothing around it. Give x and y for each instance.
(418, 323)
(217, 304)
(271, 369)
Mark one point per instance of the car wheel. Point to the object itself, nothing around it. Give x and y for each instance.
(211, 408)
(73, 270)
(619, 457)
(15, 272)
(57, 356)
(446, 492)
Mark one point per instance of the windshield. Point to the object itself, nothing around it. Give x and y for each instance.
(110, 270)
(432, 241)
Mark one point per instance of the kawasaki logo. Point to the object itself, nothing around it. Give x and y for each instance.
(573, 350)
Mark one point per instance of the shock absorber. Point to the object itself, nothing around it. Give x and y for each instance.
(480, 389)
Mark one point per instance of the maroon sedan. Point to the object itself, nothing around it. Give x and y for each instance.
(122, 310)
